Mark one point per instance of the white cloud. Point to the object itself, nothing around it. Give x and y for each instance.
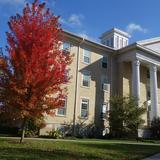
(74, 20)
(86, 36)
(133, 27)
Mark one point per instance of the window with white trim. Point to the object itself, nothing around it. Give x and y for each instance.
(86, 78)
(86, 56)
(105, 109)
(62, 110)
(66, 46)
(105, 85)
(84, 107)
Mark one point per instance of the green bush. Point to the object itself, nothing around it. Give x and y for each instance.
(125, 116)
(56, 134)
(155, 128)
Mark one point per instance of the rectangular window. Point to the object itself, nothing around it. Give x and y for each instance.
(104, 62)
(105, 85)
(117, 42)
(148, 95)
(62, 111)
(112, 42)
(126, 43)
(108, 42)
(105, 109)
(86, 79)
(66, 46)
(84, 108)
(121, 42)
(86, 56)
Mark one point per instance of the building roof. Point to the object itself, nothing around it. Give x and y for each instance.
(137, 45)
(149, 41)
(88, 40)
(140, 47)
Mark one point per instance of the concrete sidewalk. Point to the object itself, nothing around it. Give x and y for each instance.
(154, 157)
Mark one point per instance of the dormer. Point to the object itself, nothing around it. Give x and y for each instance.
(115, 38)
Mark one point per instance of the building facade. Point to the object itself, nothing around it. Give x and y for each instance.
(102, 70)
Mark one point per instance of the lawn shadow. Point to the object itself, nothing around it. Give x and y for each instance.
(37, 154)
(131, 151)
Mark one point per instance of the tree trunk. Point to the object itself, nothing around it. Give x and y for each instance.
(23, 130)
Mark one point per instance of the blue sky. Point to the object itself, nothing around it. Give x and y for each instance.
(90, 18)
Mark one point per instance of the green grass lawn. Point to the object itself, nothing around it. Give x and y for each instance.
(10, 149)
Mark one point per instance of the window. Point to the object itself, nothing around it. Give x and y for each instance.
(117, 42)
(86, 56)
(105, 85)
(66, 74)
(86, 79)
(125, 42)
(108, 42)
(105, 109)
(148, 95)
(62, 111)
(104, 62)
(84, 108)
(103, 112)
(66, 46)
(121, 43)
(112, 42)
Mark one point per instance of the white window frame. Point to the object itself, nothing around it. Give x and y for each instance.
(83, 78)
(85, 56)
(64, 107)
(69, 48)
(104, 111)
(84, 98)
(104, 82)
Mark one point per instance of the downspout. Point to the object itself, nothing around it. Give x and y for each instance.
(76, 90)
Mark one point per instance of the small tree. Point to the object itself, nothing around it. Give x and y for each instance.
(155, 127)
(124, 116)
(35, 71)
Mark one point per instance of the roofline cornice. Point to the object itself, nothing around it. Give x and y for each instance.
(139, 47)
(79, 39)
(133, 46)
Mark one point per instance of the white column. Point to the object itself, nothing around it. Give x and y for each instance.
(154, 91)
(136, 79)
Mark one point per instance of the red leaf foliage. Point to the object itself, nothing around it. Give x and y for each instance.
(33, 76)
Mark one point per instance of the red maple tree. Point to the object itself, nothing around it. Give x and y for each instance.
(34, 73)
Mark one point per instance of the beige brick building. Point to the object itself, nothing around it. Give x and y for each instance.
(101, 70)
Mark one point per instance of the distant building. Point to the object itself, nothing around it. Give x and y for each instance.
(100, 71)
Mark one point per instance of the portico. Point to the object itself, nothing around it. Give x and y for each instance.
(141, 57)
(153, 85)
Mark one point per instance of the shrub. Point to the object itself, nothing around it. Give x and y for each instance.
(124, 116)
(155, 127)
(56, 134)
(33, 126)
